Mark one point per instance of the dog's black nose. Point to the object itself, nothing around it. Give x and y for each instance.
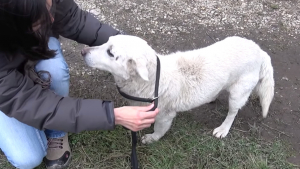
(84, 51)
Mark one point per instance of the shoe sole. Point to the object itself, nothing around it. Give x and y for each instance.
(63, 166)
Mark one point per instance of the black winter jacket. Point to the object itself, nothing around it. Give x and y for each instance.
(29, 103)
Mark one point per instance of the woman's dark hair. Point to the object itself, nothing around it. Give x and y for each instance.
(16, 34)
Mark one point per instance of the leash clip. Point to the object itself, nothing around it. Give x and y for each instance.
(154, 98)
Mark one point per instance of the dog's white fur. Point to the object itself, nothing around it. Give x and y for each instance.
(188, 79)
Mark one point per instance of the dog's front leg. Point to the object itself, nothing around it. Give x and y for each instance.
(162, 124)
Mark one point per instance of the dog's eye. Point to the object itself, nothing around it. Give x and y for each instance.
(109, 53)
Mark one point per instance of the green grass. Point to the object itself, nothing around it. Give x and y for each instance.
(186, 145)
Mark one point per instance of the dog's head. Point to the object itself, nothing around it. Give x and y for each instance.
(122, 55)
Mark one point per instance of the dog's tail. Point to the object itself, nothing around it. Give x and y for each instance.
(265, 86)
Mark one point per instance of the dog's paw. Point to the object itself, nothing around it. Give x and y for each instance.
(148, 139)
(221, 132)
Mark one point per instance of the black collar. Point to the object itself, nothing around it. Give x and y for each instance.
(149, 100)
(134, 159)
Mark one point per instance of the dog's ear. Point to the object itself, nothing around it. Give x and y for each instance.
(141, 68)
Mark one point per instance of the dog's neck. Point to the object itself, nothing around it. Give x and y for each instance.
(137, 86)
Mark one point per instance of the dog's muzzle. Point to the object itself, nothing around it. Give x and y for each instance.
(84, 51)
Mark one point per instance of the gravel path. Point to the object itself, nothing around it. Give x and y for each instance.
(240, 14)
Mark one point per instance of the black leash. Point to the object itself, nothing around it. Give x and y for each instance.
(134, 159)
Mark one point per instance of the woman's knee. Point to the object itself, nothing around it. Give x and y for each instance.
(57, 68)
(57, 72)
(26, 161)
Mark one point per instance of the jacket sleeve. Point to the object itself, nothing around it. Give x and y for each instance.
(73, 23)
(43, 109)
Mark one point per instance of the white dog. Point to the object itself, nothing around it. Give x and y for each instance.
(188, 79)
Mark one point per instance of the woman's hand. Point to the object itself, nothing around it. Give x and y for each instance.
(135, 118)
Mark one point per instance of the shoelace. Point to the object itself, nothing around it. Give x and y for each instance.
(55, 143)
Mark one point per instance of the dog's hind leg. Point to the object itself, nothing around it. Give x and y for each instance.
(238, 96)
(162, 124)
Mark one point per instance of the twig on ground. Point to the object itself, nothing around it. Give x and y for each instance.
(86, 154)
(281, 132)
(120, 155)
(240, 130)
(199, 144)
(210, 37)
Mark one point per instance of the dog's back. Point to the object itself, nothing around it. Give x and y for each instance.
(200, 75)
